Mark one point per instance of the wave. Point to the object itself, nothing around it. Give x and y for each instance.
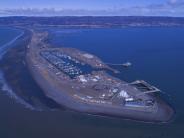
(6, 88)
(4, 85)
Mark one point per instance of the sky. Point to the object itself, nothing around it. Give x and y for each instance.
(92, 8)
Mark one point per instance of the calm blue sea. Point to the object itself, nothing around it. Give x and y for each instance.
(157, 55)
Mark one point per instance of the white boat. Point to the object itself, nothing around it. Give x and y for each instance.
(127, 64)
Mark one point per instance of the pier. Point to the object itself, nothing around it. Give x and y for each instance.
(145, 87)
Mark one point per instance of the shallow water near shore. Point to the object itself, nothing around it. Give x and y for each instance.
(157, 55)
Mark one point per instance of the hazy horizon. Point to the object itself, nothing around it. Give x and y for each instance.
(171, 8)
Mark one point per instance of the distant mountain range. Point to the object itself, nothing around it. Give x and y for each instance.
(93, 21)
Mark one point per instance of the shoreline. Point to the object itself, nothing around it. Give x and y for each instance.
(73, 105)
(18, 78)
(59, 93)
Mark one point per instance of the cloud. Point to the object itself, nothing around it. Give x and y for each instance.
(176, 3)
(55, 12)
(173, 1)
(169, 8)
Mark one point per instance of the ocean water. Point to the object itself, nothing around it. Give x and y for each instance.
(157, 55)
